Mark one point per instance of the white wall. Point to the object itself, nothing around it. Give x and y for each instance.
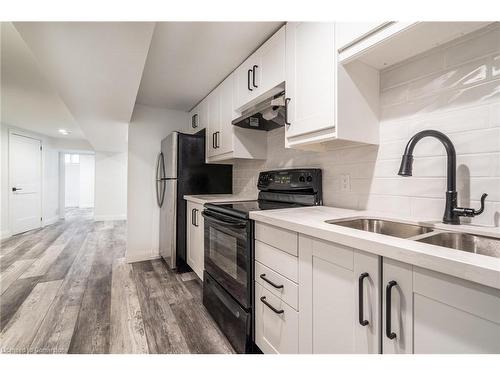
(71, 185)
(146, 130)
(455, 89)
(110, 186)
(86, 181)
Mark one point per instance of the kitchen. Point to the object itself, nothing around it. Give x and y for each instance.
(333, 189)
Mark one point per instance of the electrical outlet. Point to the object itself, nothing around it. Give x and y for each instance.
(345, 182)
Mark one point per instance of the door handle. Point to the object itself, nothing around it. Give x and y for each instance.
(263, 277)
(287, 100)
(362, 321)
(248, 79)
(263, 299)
(192, 216)
(388, 330)
(195, 217)
(213, 140)
(194, 121)
(16, 189)
(253, 75)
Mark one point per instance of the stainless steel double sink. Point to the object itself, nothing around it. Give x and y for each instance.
(455, 240)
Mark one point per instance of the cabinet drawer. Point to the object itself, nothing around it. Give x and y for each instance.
(289, 291)
(277, 260)
(280, 238)
(275, 332)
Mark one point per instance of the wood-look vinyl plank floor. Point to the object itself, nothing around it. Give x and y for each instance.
(66, 288)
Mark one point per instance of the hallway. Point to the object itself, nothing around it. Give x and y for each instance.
(66, 288)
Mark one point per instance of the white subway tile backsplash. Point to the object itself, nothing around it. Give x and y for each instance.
(495, 67)
(416, 68)
(454, 89)
(454, 78)
(389, 204)
(469, 118)
(394, 95)
(427, 208)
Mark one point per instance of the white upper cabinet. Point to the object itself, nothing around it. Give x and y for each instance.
(326, 102)
(310, 80)
(262, 73)
(198, 118)
(224, 141)
(214, 125)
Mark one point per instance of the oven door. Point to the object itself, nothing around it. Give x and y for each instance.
(228, 254)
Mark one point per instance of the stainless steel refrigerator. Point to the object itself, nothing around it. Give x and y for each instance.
(181, 170)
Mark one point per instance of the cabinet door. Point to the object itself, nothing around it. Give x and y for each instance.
(329, 299)
(270, 68)
(276, 332)
(310, 78)
(400, 321)
(190, 235)
(245, 88)
(226, 115)
(195, 238)
(453, 316)
(194, 121)
(213, 128)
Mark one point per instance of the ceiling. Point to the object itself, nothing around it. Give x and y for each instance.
(96, 67)
(87, 76)
(187, 60)
(28, 100)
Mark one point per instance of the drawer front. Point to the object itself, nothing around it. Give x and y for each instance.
(288, 291)
(277, 260)
(275, 333)
(282, 239)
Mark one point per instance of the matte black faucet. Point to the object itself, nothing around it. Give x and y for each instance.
(452, 213)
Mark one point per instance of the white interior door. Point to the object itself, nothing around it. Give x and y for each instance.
(25, 183)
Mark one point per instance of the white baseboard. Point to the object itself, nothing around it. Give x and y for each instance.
(5, 234)
(51, 220)
(140, 258)
(109, 217)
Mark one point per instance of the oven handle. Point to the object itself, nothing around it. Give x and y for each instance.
(223, 220)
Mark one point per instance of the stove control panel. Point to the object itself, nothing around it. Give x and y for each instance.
(290, 179)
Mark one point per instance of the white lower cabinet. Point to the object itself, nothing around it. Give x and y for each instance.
(276, 323)
(334, 282)
(433, 313)
(323, 297)
(195, 238)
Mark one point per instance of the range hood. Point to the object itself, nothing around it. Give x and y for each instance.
(267, 115)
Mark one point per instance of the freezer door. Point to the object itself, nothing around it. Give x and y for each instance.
(168, 214)
(169, 150)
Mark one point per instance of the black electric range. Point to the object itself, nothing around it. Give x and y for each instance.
(229, 248)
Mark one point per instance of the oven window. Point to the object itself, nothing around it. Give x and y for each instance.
(223, 251)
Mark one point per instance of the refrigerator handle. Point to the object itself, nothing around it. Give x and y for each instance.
(160, 180)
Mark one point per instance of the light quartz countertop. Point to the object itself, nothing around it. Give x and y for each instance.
(310, 221)
(219, 198)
